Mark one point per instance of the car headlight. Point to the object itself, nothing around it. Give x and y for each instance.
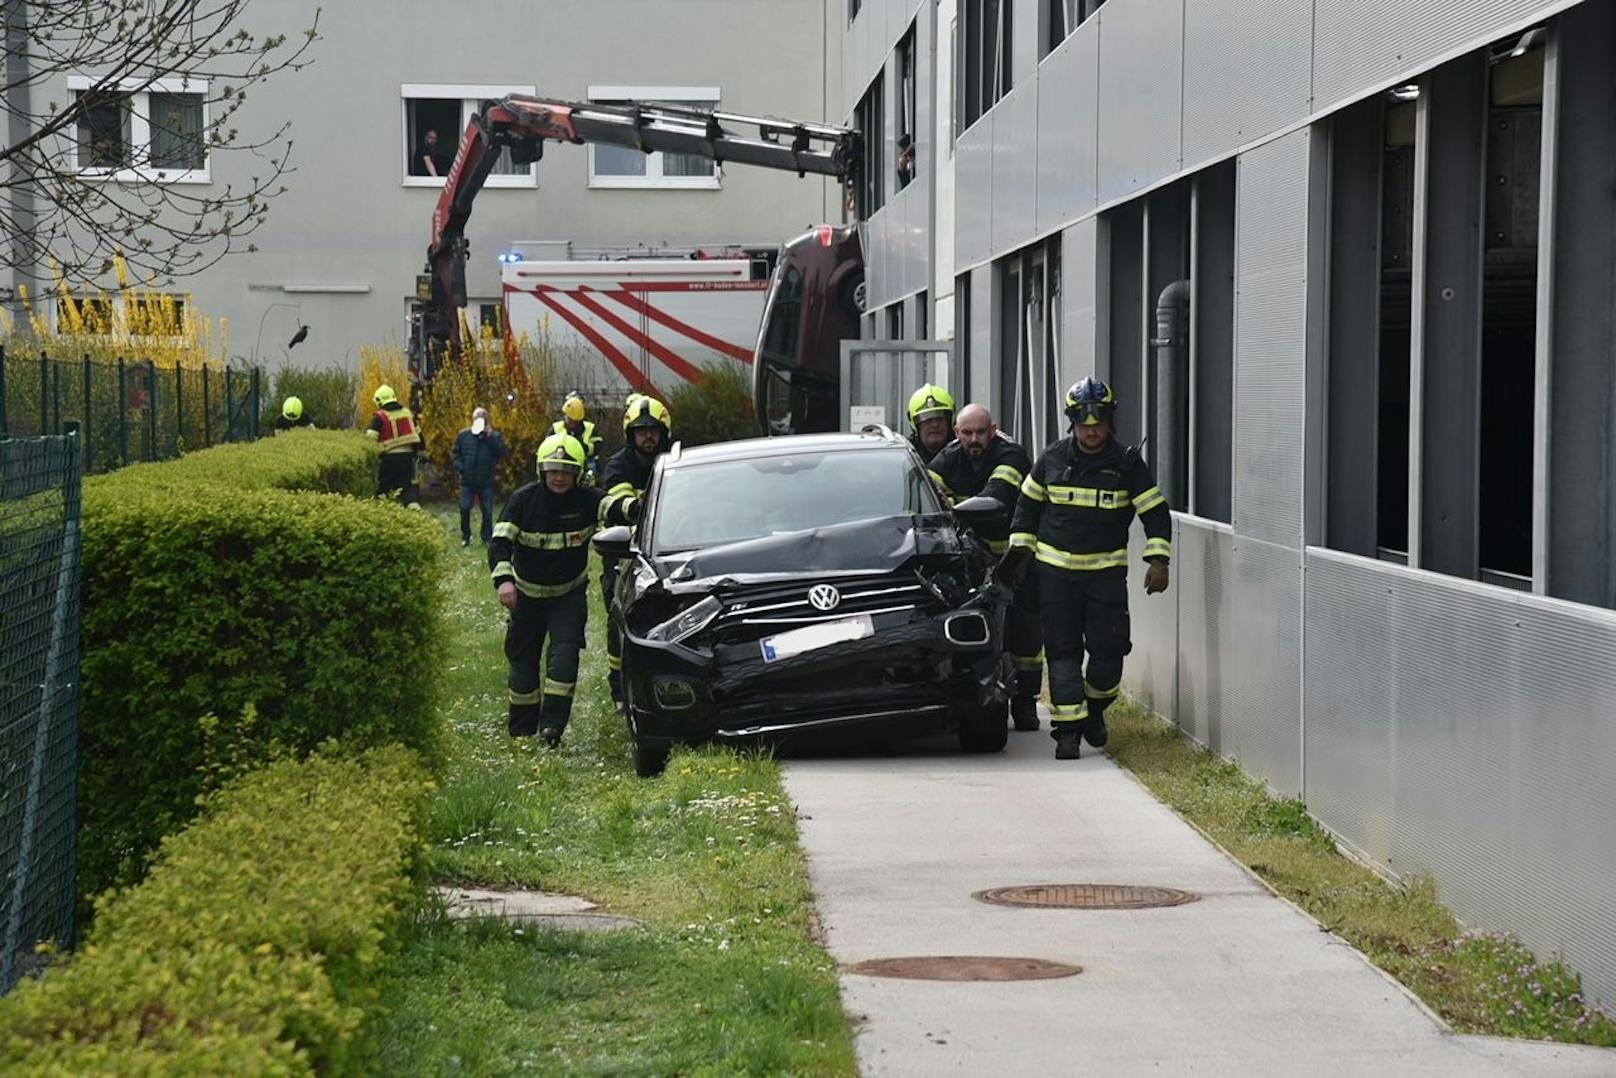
(686, 623)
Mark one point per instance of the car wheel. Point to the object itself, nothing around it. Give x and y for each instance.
(985, 729)
(852, 292)
(649, 760)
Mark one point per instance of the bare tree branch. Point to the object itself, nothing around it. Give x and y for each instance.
(117, 167)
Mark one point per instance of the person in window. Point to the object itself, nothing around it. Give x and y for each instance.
(430, 160)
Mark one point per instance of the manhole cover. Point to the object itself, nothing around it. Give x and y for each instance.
(1087, 896)
(965, 968)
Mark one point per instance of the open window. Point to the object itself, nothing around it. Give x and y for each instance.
(985, 57)
(435, 118)
(907, 125)
(1060, 18)
(872, 177)
(619, 166)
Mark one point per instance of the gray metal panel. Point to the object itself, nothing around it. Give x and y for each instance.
(878, 289)
(1356, 46)
(1024, 43)
(984, 324)
(1080, 300)
(973, 191)
(1203, 559)
(1015, 167)
(1141, 94)
(1270, 339)
(1247, 71)
(1151, 669)
(1068, 119)
(1502, 756)
(1262, 678)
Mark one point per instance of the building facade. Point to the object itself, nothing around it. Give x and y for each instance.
(1384, 415)
(344, 242)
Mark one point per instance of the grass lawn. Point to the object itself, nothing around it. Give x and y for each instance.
(726, 978)
(1480, 983)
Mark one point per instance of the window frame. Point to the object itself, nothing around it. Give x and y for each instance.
(140, 131)
(471, 96)
(654, 178)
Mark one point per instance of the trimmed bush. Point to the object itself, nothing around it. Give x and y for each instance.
(253, 945)
(716, 409)
(297, 617)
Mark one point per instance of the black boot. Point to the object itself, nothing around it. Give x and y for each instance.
(614, 681)
(1094, 729)
(1068, 739)
(524, 720)
(1024, 712)
(553, 718)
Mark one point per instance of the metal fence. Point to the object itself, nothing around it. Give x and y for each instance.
(128, 410)
(39, 694)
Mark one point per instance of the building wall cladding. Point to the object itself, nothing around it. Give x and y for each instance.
(348, 218)
(1437, 725)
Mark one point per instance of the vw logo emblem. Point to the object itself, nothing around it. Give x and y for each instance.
(824, 597)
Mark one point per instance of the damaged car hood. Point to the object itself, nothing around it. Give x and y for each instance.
(876, 546)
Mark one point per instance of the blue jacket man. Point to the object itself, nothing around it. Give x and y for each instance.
(477, 450)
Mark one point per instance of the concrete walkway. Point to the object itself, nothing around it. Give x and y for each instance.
(1238, 983)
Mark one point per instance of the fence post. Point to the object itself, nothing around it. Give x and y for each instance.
(179, 406)
(44, 392)
(2, 391)
(257, 403)
(123, 414)
(207, 405)
(151, 409)
(85, 437)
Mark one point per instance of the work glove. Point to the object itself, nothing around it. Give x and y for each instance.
(1012, 566)
(632, 510)
(1156, 577)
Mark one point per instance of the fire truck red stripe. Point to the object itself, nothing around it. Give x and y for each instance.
(635, 303)
(624, 365)
(676, 363)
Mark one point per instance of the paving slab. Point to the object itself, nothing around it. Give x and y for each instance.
(1238, 982)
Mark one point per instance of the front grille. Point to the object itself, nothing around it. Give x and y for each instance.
(754, 614)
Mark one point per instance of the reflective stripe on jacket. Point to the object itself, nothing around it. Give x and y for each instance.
(1076, 508)
(393, 426)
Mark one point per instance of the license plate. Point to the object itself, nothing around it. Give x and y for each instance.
(810, 637)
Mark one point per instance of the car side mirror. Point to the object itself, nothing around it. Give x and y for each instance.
(984, 509)
(614, 541)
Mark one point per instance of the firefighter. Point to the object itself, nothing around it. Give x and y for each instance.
(539, 559)
(572, 422)
(292, 415)
(648, 431)
(931, 414)
(395, 428)
(1071, 525)
(983, 460)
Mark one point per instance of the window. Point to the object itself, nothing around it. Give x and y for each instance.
(616, 166)
(1433, 331)
(142, 132)
(922, 316)
(895, 322)
(1061, 17)
(1029, 348)
(962, 329)
(907, 126)
(156, 314)
(872, 177)
(435, 117)
(852, 10)
(143, 314)
(87, 314)
(491, 319)
(985, 59)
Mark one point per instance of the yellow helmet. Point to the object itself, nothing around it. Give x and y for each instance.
(384, 395)
(292, 408)
(930, 400)
(573, 408)
(561, 453)
(646, 411)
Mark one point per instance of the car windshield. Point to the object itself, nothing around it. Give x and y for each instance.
(702, 505)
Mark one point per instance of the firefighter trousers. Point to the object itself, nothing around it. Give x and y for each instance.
(1024, 640)
(1083, 612)
(544, 702)
(397, 476)
(614, 642)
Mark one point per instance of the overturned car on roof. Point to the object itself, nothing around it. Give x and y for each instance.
(781, 585)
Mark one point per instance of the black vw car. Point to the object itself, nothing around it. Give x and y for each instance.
(783, 584)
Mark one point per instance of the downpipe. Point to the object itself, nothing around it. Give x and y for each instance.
(1172, 344)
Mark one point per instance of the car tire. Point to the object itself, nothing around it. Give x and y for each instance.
(649, 760)
(985, 729)
(851, 291)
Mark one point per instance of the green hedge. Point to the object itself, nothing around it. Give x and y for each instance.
(253, 945)
(328, 395)
(297, 617)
